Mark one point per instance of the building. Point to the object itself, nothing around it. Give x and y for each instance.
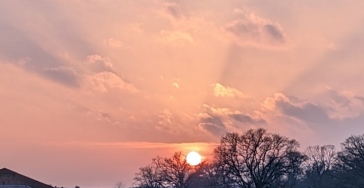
(11, 179)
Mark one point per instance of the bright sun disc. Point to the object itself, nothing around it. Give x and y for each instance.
(193, 158)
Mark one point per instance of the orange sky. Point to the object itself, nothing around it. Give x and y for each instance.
(91, 90)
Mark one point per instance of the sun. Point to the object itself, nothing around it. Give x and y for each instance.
(193, 158)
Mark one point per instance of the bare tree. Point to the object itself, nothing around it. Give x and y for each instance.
(120, 184)
(176, 172)
(257, 159)
(149, 176)
(169, 172)
(351, 160)
(319, 166)
(214, 175)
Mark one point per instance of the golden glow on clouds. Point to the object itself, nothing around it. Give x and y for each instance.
(225, 91)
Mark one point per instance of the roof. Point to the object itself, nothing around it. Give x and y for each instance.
(11, 179)
(14, 186)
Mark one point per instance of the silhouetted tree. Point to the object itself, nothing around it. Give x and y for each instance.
(351, 160)
(295, 172)
(212, 175)
(120, 184)
(149, 176)
(319, 166)
(257, 159)
(169, 172)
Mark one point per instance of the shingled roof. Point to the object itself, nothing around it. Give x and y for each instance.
(9, 177)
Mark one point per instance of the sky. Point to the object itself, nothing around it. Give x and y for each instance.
(91, 90)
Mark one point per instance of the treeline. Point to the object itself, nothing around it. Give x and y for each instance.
(259, 159)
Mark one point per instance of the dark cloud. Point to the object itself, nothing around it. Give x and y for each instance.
(173, 10)
(63, 75)
(240, 28)
(213, 124)
(360, 98)
(16, 46)
(252, 29)
(274, 32)
(308, 112)
(316, 116)
(36, 53)
(247, 119)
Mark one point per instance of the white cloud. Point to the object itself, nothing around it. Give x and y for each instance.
(176, 37)
(113, 43)
(103, 80)
(102, 62)
(344, 103)
(225, 91)
(270, 102)
(165, 117)
(217, 111)
(238, 11)
(136, 27)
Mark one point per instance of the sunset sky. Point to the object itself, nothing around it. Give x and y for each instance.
(91, 90)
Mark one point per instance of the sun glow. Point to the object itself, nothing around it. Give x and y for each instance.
(193, 158)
